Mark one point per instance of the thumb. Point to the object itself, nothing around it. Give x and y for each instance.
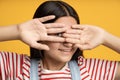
(40, 46)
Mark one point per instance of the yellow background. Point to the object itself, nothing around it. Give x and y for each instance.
(103, 13)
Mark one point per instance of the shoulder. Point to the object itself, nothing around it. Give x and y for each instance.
(11, 63)
(99, 63)
(82, 60)
(10, 53)
(6, 56)
(99, 67)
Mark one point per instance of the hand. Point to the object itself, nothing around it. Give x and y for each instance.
(34, 31)
(85, 37)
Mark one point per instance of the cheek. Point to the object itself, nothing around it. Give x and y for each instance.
(53, 46)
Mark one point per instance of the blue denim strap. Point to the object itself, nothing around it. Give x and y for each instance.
(34, 70)
(75, 70)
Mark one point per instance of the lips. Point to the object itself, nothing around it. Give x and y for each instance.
(65, 50)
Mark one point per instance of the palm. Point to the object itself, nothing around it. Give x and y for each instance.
(85, 36)
(34, 31)
(92, 37)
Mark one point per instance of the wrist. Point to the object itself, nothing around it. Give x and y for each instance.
(112, 42)
(18, 31)
(106, 38)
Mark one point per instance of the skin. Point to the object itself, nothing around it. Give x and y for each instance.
(84, 37)
(32, 31)
(60, 52)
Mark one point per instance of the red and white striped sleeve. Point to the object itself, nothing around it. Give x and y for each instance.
(99, 69)
(10, 65)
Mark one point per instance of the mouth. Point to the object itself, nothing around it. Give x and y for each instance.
(65, 50)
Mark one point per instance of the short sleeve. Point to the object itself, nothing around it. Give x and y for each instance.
(3, 65)
(10, 65)
(99, 69)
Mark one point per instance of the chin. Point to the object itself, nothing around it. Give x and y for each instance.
(66, 59)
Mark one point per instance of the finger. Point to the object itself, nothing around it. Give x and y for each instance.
(81, 27)
(39, 46)
(46, 18)
(84, 46)
(79, 46)
(55, 39)
(56, 30)
(55, 25)
(74, 36)
(73, 31)
(74, 41)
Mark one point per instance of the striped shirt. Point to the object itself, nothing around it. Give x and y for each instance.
(17, 67)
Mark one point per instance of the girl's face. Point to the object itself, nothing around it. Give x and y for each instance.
(61, 51)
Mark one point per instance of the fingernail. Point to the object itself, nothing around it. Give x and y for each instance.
(53, 16)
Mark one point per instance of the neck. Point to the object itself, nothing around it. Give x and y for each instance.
(52, 64)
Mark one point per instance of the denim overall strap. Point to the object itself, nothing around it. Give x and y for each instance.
(75, 70)
(34, 70)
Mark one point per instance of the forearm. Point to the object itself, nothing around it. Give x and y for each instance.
(112, 42)
(9, 33)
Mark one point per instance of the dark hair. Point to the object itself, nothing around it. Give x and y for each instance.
(59, 9)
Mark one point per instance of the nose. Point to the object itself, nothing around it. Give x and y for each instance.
(66, 44)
